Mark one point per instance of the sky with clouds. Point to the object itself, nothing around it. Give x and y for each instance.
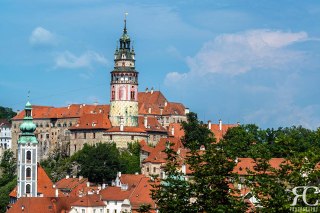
(248, 61)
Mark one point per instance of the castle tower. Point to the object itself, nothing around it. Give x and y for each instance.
(124, 85)
(27, 157)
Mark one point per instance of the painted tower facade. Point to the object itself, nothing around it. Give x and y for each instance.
(124, 85)
(27, 157)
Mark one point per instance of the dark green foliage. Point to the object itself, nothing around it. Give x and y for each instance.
(144, 208)
(8, 165)
(195, 130)
(4, 194)
(6, 112)
(100, 162)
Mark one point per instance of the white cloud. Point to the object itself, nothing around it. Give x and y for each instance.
(174, 77)
(174, 52)
(43, 37)
(233, 54)
(70, 61)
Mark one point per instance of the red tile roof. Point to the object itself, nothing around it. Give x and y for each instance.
(42, 205)
(157, 155)
(178, 132)
(84, 189)
(70, 183)
(145, 147)
(89, 201)
(144, 109)
(115, 193)
(14, 192)
(74, 111)
(220, 133)
(173, 108)
(131, 179)
(154, 98)
(155, 126)
(245, 164)
(92, 121)
(4, 123)
(141, 195)
(125, 129)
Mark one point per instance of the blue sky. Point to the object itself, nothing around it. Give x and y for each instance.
(248, 61)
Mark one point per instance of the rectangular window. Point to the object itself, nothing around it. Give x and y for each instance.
(107, 202)
(75, 135)
(94, 135)
(173, 120)
(85, 135)
(154, 137)
(83, 211)
(132, 137)
(110, 137)
(167, 118)
(47, 136)
(108, 211)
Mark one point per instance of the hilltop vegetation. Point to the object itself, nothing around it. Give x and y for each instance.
(99, 162)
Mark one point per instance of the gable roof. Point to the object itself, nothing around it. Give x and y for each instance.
(42, 205)
(141, 195)
(115, 193)
(153, 123)
(220, 133)
(145, 147)
(173, 108)
(178, 132)
(4, 123)
(89, 201)
(245, 164)
(70, 183)
(131, 179)
(92, 121)
(74, 111)
(155, 97)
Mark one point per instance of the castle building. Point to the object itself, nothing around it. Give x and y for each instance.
(124, 85)
(27, 157)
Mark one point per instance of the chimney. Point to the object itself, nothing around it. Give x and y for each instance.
(136, 173)
(57, 193)
(186, 110)
(67, 177)
(152, 90)
(172, 130)
(147, 90)
(80, 193)
(88, 184)
(238, 123)
(53, 186)
(119, 174)
(183, 169)
(121, 124)
(100, 110)
(178, 152)
(74, 176)
(202, 147)
(113, 183)
(68, 106)
(103, 186)
(80, 178)
(95, 103)
(165, 103)
(236, 160)
(220, 125)
(149, 110)
(99, 187)
(145, 121)
(209, 124)
(83, 104)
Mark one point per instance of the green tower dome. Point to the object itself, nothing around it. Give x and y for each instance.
(28, 127)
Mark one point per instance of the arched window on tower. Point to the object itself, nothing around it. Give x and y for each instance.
(28, 173)
(28, 188)
(113, 95)
(28, 156)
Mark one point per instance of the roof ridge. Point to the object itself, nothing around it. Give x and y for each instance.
(135, 188)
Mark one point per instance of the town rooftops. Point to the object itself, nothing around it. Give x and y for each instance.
(92, 121)
(141, 195)
(245, 164)
(4, 123)
(131, 179)
(145, 147)
(70, 183)
(89, 201)
(115, 193)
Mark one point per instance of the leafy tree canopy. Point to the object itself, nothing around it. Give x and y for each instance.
(6, 112)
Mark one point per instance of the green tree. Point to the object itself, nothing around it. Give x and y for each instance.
(8, 165)
(144, 208)
(195, 130)
(6, 112)
(172, 194)
(4, 194)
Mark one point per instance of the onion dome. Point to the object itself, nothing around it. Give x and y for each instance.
(28, 127)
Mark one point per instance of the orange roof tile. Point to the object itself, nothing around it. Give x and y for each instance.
(155, 98)
(92, 121)
(125, 129)
(245, 164)
(220, 133)
(131, 179)
(115, 193)
(144, 109)
(14, 192)
(145, 147)
(42, 205)
(89, 201)
(173, 108)
(158, 153)
(70, 183)
(178, 132)
(141, 195)
(153, 123)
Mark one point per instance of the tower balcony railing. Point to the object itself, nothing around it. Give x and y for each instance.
(124, 82)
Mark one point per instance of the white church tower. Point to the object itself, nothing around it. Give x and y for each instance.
(27, 157)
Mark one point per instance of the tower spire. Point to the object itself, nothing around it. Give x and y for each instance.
(125, 23)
